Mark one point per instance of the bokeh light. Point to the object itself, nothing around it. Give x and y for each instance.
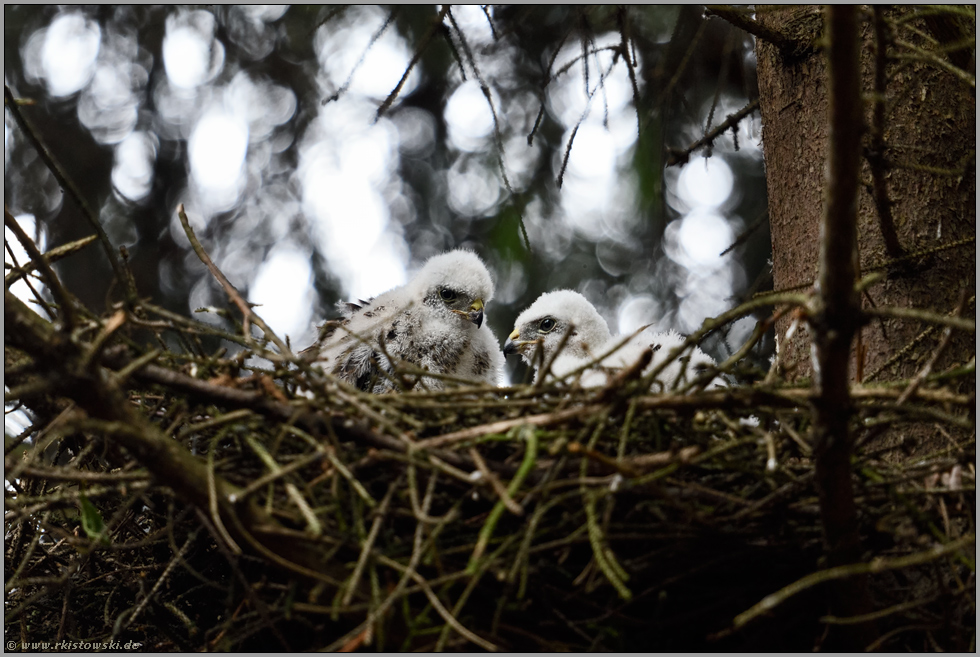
(68, 51)
(295, 184)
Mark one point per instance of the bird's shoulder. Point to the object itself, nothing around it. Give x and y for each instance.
(661, 342)
(378, 311)
(350, 308)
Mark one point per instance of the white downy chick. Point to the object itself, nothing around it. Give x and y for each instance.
(435, 321)
(545, 322)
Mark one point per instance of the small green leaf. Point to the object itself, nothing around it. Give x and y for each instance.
(92, 521)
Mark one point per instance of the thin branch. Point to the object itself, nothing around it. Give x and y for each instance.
(374, 39)
(922, 55)
(630, 64)
(584, 41)
(962, 170)
(498, 138)
(688, 54)
(747, 233)
(495, 483)
(943, 343)
(548, 79)
(876, 565)
(448, 35)
(585, 113)
(960, 323)
(876, 154)
(889, 264)
(726, 59)
(437, 604)
(233, 294)
(435, 27)
(73, 191)
(65, 305)
(379, 517)
(493, 30)
(682, 157)
(38, 297)
(50, 256)
(835, 320)
(742, 20)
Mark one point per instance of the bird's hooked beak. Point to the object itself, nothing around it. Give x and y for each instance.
(510, 346)
(474, 313)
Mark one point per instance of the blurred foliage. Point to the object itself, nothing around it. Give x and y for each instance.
(690, 71)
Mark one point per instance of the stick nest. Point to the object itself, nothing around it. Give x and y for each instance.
(185, 500)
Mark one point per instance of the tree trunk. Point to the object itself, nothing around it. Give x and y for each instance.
(915, 225)
(928, 223)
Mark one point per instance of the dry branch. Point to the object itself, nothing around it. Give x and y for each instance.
(623, 493)
(835, 320)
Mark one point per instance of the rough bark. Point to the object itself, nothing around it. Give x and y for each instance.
(929, 121)
(824, 163)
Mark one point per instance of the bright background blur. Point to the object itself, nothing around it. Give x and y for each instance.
(263, 121)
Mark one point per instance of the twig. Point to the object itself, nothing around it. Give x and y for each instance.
(623, 24)
(313, 525)
(423, 44)
(960, 323)
(270, 477)
(604, 557)
(67, 474)
(962, 170)
(876, 565)
(900, 354)
(438, 606)
(585, 113)
(374, 38)
(493, 31)
(68, 185)
(881, 613)
(548, 80)
(876, 153)
(65, 306)
(495, 484)
(688, 54)
(921, 55)
(682, 157)
(888, 264)
(741, 20)
(530, 439)
(505, 425)
(50, 256)
(233, 294)
(498, 139)
(726, 55)
(927, 368)
(379, 517)
(161, 580)
(544, 368)
(418, 549)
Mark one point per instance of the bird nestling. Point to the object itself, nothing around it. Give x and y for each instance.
(434, 322)
(566, 316)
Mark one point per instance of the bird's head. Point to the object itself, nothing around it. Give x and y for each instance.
(546, 321)
(457, 281)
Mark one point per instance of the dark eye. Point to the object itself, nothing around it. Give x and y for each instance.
(447, 294)
(547, 324)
